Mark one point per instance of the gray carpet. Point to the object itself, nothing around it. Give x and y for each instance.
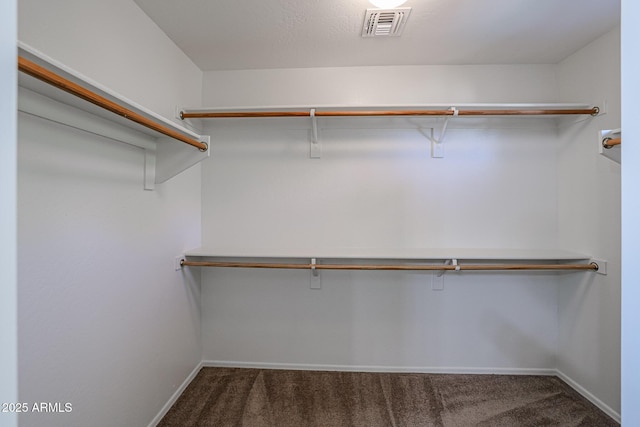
(224, 397)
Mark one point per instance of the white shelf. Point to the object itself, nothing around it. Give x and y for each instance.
(164, 156)
(409, 254)
(398, 122)
(374, 107)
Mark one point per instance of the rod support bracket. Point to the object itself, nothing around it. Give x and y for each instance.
(437, 279)
(315, 280)
(600, 266)
(315, 149)
(437, 145)
(440, 273)
(178, 263)
(608, 139)
(150, 159)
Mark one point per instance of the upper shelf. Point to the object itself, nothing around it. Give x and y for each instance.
(54, 91)
(428, 110)
(390, 254)
(406, 117)
(403, 116)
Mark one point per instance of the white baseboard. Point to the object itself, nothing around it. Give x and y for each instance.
(589, 396)
(175, 396)
(378, 368)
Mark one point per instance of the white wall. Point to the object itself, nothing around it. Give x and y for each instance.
(630, 210)
(378, 187)
(8, 278)
(117, 45)
(589, 222)
(379, 85)
(105, 323)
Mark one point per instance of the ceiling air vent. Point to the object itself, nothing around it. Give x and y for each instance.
(385, 22)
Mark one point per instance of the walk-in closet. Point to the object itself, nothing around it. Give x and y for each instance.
(276, 213)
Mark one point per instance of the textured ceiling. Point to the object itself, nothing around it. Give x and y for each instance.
(253, 34)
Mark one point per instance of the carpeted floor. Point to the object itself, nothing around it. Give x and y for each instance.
(224, 397)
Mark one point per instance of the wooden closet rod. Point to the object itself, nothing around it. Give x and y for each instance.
(611, 142)
(41, 73)
(477, 267)
(239, 114)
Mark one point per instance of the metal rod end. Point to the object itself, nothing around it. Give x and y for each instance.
(206, 146)
(595, 265)
(595, 111)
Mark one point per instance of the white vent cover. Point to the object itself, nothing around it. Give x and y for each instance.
(385, 22)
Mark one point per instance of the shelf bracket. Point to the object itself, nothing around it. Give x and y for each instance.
(149, 168)
(315, 282)
(441, 272)
(437, 278)
(437, 145)
(315, 149)
(437, 281)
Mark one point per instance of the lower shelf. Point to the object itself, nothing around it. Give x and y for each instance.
(403, 259)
